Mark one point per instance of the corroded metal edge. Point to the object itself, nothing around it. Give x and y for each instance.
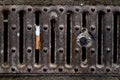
(60, 2)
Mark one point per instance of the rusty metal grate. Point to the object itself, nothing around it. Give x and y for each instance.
(59, 39)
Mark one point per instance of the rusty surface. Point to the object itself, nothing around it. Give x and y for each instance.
(79, 29)
(53, 2)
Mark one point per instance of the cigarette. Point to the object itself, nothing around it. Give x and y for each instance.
(37, 33)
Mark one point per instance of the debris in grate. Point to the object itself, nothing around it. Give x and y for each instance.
(59, 39)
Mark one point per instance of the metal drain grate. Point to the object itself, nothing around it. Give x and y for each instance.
(59, 39)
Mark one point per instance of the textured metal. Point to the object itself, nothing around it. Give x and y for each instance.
(60, 66)
(60, 2)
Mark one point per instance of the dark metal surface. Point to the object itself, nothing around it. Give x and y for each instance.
(61, 2)
(79, 26)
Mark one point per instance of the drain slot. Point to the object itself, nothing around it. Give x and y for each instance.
(83, 54)
(5, 15)
(53, 25)
(116, 22)
(100, 26)
(37, 56)
(84, 19)
(68, 46)
(37, 18)
(21, 37)
(84, 28)
(37, 41)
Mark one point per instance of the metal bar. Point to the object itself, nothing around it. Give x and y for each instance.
(1, 39)
(93, 30)
(45, 39)
(13, 39)
(76, 52)
(60, 45)
(108, 37)
(29, 46)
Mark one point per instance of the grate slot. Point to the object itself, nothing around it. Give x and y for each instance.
(100, 37)
(84, 54)
(37, 18)
(38, 41)
(116, 26)
(84, 19)
(53, 25)
(37, 56)
(69, 31)
(5, 15)
(21, 38)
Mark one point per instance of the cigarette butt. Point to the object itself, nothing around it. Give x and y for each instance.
(37, 32)
(37, 42)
